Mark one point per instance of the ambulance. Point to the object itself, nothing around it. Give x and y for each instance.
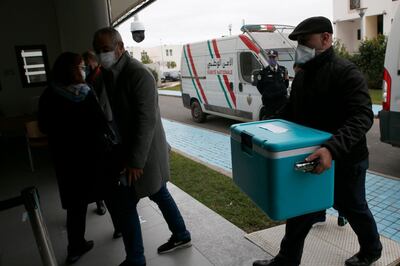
(390, 115)
(218, 74)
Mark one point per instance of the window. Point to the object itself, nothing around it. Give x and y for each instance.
(248, 63)
(32, 64)
(170, 52)
(285, 54)
(359, 34)
(166, 51)
(380, 24)
(354, 4)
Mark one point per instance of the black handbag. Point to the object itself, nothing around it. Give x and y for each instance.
(110, 139)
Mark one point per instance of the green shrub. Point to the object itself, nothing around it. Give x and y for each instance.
(146, 58)
(340, 50)
(369, 59)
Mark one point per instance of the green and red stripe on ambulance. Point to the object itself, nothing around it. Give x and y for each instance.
(193, 74)
(227, 87)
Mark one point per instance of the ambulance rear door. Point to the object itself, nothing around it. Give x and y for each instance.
(390, 115)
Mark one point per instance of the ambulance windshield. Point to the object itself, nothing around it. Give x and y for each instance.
(285, 54)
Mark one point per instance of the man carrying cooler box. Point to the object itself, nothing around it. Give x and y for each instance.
(330, 94)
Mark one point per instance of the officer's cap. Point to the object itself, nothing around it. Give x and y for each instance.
(272, 53)
(312, 25)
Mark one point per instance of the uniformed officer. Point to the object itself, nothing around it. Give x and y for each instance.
(273, 82)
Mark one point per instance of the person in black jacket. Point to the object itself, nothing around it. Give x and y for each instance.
(92, 71)
(74, 122)
(272, 83)
(330, 94)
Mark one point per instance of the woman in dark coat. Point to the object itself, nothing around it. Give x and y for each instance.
(75, 124)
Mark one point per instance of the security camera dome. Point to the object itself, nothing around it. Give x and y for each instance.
(137, 26)
(137, 30)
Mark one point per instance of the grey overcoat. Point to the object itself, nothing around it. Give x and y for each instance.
(134, 101)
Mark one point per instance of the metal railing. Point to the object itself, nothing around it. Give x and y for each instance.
(30, 199)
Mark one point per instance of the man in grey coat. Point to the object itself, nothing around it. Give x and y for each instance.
(133, 97)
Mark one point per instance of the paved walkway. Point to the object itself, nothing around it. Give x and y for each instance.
(169, 93)
(213, 148)
(215, 241)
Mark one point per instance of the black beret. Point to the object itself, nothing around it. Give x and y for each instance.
(272, 52)
(312, 25)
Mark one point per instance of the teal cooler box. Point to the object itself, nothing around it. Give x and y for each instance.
(264, 155)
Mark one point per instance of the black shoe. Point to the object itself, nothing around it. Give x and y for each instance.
(74, 254)
(274, 262)
(341, 221)
(101, 208)
(360, 259)
(127, 263)
(117, 234)
(174, 244)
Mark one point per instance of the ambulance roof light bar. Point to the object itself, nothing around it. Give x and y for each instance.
(263, 53)
(265, 28)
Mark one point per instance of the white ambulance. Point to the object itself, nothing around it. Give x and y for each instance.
(390, 115)
(217, 74)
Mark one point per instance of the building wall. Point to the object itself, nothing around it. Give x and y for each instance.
(78, 20)
(341, 9)
(58, 24)
(371, 29)
(25, 23)
(347, 35)
(343, 16)
(159, 56)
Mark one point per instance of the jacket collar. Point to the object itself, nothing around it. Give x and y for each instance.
(119, 66)
(320, 59)
(275, 68)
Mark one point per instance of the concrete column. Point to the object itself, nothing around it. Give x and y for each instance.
(361, 12)
(78, 20)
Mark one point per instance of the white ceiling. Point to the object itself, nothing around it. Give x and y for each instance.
(119, 8)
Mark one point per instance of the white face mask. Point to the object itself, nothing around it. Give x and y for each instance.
(272, 62)
(303, 54)
(108, 59)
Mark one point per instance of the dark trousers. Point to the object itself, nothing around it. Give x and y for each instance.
(76, 222)
(130, 223)
(350, 202)
(76, 226)
(112, 208)
(272, 106)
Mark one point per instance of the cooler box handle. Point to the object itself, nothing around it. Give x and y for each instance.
(246, 143)
(305, 166)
